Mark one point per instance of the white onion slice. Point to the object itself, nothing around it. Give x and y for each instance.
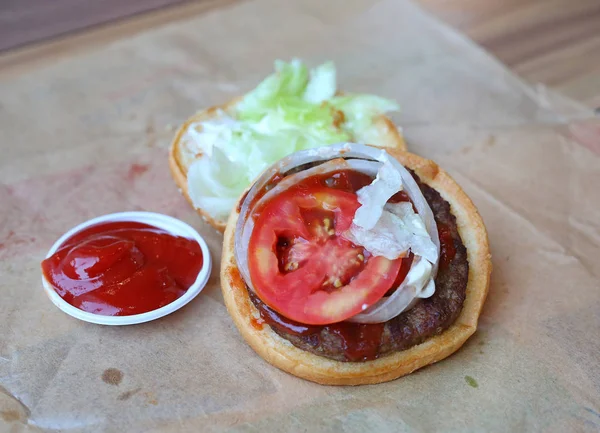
(369, 159)
(417, 284)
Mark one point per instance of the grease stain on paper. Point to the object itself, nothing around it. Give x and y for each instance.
(151, 398)
(151, 135)
(112, 376)
(20, 413)
(11, 239)
(10, 415)
(136, 170)
(128, 394)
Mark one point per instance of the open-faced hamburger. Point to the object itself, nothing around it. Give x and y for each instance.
(218, 152)
(351, 265)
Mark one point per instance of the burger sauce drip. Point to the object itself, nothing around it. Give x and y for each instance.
(359, 341)
(447, 250)
(400, 196)
(257, 323)
(123, 268)
(404, 269)
(235, 277)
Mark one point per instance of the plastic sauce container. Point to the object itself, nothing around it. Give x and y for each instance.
(173, 228)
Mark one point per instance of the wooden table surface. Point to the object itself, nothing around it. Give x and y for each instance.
(554, 42)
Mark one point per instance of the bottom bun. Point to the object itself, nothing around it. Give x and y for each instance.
(282, 354)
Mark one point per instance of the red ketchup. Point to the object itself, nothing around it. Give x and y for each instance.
(123, 268)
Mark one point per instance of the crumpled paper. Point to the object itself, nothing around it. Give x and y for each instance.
(87, 134)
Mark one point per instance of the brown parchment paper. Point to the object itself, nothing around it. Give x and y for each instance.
(88, 135)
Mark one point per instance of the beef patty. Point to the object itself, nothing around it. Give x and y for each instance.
(355, 342)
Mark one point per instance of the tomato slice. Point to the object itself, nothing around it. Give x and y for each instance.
(302, 267)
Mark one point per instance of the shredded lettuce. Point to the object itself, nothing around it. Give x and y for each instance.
(291, 110)
(322, 84)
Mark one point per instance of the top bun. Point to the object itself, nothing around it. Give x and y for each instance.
(383, 134)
